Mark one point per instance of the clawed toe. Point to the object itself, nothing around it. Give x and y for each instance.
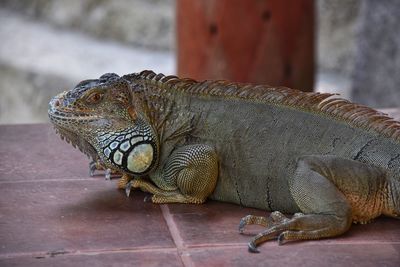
(243, 222)
(92, 168)
(148, 198)
(281, 239)
(96, 166)
(251, 219)
(128, 188)
(252, 247)
(107, 174)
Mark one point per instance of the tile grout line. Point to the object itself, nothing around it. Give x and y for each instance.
(176, 236)
(48, 254)
(48, 180)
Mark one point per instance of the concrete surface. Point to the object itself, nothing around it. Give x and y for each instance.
(376, 77)
(336, 26)
(138, 23)
(336, 29)
(38, 61)
(53, 214)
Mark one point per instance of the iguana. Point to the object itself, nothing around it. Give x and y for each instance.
(327, 160)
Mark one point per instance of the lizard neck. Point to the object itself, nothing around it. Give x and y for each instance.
(165, 109)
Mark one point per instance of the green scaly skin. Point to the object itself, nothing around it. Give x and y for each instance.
(328, 161)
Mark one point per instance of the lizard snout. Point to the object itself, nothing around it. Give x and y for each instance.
(58, 102)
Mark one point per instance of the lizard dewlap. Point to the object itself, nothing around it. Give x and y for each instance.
(326, 160)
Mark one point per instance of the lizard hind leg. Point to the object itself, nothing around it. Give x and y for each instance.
(331, 192)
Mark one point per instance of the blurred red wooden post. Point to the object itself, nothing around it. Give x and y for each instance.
(258, 41)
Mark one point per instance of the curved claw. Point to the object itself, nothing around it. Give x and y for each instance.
(252, 247)
(242, 224)
(108, 174)
(128, 188)
(147, 198)
(281, 239)
(92, 168)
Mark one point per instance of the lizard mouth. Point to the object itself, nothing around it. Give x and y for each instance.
(60, 114)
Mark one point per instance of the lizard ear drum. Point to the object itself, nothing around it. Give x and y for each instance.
(120, 91)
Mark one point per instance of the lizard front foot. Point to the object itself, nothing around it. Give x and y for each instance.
(97, 166)
(128, 183)
(160, 196)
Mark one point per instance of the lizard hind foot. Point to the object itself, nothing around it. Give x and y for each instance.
(271, 222)
(299, 227)
(273, 219)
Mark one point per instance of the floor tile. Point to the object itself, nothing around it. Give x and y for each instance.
(211, 223)
(77, 215)
(32, 152)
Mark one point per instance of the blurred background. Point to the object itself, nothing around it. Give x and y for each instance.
(351, 47)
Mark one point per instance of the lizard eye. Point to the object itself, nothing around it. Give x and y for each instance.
(94, 97)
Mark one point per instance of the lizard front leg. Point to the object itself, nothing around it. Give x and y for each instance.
(188, 176)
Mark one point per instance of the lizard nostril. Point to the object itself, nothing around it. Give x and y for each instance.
(57, 103)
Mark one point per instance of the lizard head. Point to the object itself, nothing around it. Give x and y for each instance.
(93, 106)
(98, 117)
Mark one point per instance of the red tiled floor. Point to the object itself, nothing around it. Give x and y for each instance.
(53, 214)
